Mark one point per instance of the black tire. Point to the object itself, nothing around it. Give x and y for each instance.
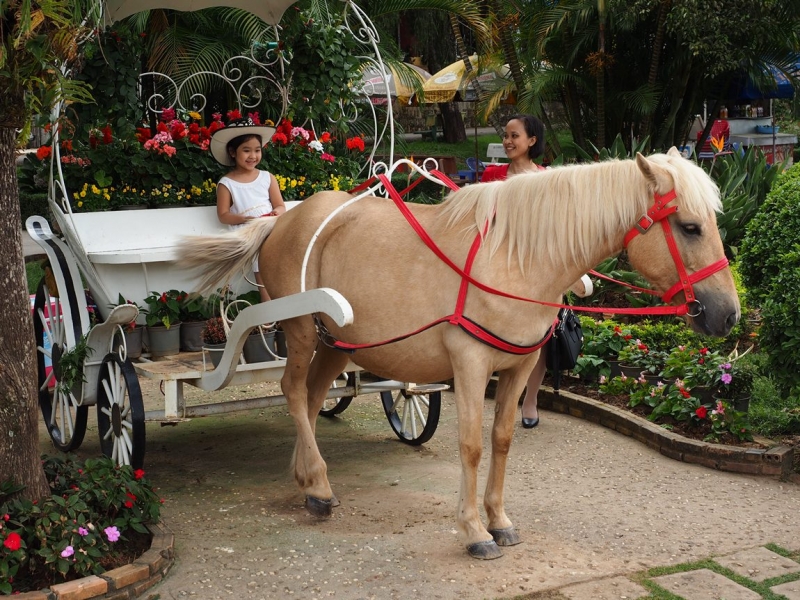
(333, 406)
(120, 412)
(406, 413)
(65, 420)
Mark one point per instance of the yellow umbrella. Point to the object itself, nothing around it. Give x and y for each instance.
(401, 84)
(445, 84)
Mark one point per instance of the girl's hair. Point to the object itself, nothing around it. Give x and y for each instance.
(234, 143)
(534, 128)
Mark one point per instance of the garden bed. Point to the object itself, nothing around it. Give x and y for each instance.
(684, 443)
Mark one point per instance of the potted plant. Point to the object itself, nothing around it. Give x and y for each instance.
(736, 381)
(214, 337)
(195, 311)
(260, 344)
(162, 316)
(700, 370)
(636, 359)
(603, 340)
(132, 331)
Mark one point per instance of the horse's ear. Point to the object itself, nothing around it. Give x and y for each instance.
(658, 178)
(674, 152)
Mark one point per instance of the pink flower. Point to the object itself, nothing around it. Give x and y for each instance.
(112, 533)
(82, 531)
(328, 157)
(726, 378)
(67, 552)
(299, 132)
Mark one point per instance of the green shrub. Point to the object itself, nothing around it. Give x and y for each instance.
(33, 203)
(774, 231)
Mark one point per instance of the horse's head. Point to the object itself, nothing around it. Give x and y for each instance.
(680, 251)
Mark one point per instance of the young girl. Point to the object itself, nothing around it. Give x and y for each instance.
(523, 142)
(246, 192)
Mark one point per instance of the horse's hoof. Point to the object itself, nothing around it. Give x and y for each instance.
(507, 536)
(487, 550)
(319, 507)
(335, 501)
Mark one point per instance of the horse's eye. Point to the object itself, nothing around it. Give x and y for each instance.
(690, 229)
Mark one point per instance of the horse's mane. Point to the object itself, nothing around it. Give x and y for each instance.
(566, 211)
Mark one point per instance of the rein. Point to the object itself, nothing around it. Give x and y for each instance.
(659, 211)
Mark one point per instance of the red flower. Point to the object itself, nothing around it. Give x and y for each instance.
(685, 394)
(355, 143)
(617, 330)
(703, 351)
(325, 138)
(44, 152)
(234, 114)
(194, 128)
(280, 138)
(168, 114)
(255, 117)
(285, 127)
(701, 361)
(178, 129)
(627, 337)
(164, 297)
(107, 139)
(13, 541)
(6, 517)
(66, 145)
(138, 474)
(642, 347)
(215, 126)
(701, 412)
(143, 134)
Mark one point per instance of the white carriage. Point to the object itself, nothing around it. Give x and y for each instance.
(130, 253)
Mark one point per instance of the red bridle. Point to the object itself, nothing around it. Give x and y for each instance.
(659, 213)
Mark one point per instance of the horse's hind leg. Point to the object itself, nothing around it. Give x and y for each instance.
(310, 470)
(509, 388)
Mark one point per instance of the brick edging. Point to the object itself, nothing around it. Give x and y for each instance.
(123, 583)
(775, 461)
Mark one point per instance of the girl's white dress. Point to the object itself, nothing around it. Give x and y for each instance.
(249, 199)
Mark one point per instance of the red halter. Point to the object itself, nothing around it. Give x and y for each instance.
(659, 213)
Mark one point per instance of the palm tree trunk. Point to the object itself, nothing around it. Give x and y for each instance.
(655, 58)
(462, 53)
(601, 77)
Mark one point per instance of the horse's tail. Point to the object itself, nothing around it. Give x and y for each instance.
(224, 255)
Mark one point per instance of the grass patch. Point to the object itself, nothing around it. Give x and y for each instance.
(34, 273)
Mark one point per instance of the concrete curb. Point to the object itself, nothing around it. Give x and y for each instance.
(124, 583)
(775, 461)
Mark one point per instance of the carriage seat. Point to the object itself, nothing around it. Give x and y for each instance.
(144, 236)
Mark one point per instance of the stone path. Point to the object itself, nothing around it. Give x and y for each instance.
(751, 574)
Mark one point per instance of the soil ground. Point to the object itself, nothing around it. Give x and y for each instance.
(588, 502)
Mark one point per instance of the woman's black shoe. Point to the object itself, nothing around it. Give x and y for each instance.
(529, 423)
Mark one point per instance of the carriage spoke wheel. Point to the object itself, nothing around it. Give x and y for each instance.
(333, 406)
(413, 417)
(120, 412)
(65, 420)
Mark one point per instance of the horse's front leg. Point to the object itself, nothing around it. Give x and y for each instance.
(310, 470)
(470, 389)
(509, 389)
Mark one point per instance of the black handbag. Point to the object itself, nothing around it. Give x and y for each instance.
(564, 347)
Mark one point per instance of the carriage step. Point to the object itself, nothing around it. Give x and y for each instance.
(428, 388)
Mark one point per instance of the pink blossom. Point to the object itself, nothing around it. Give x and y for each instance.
(300, 132)
(67, 552)
(328, 157)
(726, 378)
(82, 531)
(112, 533)
(169, 150)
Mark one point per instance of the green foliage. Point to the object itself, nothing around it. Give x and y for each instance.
(616, 150)
(73, 532)
(770, 268)
(71, 365)
(111, 64)
(33, 203)
(744, 179)
(163, 308)
(638, 354)
(323, 59)
(770, 234)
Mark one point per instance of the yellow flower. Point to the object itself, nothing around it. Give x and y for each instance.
(80, 204)
(95, 190)
(269, 123)
(195, 115)
(83, 193)
(294, 182)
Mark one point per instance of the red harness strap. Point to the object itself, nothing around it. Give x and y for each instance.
(659, 212)
(457, 318)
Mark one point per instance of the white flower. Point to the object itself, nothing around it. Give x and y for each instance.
(316, 145)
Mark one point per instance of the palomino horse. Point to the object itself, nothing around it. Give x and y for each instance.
(539, 233)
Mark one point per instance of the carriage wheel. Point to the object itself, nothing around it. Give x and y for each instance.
(65, 420)
(120, 412)
(413, 417)
(333, 406)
